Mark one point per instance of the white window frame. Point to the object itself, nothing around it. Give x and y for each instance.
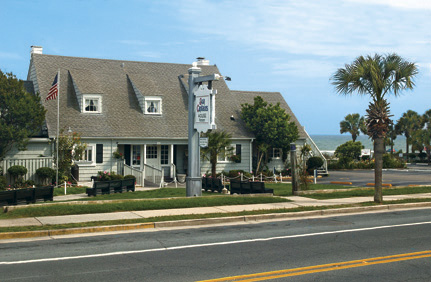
(226, 158)
(92, 97)
(86, 162)
(147, 104)
(138, 157)
(152, 152)
(279, 153)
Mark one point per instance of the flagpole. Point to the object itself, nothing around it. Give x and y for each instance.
(58, 123)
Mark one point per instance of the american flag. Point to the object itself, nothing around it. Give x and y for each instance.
(53, 91)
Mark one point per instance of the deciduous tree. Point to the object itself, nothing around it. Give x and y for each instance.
(21, 114)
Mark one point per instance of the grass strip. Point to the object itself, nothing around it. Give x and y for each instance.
(197, 216)
(69, 209)
(369, 192)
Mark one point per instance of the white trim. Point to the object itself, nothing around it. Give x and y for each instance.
(92, 97)
(148, 100)
(93, 157)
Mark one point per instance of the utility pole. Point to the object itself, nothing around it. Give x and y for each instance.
(201, 119)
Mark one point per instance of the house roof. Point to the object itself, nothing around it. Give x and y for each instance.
(122, 116)
(272, 98)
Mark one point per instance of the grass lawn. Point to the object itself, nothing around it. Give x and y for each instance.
(285, 189)
(369, 192)
(70, 208)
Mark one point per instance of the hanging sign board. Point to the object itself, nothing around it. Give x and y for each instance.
(203, 142)
(204, 109)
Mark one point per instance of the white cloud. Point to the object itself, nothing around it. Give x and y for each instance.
(333, 28)
(403, 4)
(305, 68)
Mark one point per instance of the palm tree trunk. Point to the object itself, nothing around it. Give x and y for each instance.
(378, 169)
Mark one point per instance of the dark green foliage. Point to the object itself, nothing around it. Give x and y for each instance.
(218, 144)
(389, 161)
(108, 176)
(17, 170)
(349, 151)
(21, 114)
(314, 162)
(2, 182)
(45, 173)
(129, 176)
(236, 172)
(271, 125)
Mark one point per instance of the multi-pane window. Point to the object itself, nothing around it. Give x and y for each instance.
(153, 105)
(152, 152)
(136, 155)
(221, 157)
(276, 153)
(88, 154)
(164, 155)
(92, 104)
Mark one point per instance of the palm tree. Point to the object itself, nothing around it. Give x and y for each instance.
(353, 124)
(391, 135)
(409, 122)
(218, 144)
(376, 76)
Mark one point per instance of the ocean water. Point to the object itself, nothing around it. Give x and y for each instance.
(331, 142)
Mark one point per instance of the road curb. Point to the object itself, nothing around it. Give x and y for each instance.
(209, 221)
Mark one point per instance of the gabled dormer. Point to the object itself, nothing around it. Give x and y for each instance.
(149, 102)
(88, 91)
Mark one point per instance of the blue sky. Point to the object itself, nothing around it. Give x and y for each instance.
(292, 47)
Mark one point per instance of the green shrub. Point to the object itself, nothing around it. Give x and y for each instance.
(17, 170)
(236, 172)
(314, 163)
(108, 176)
(349, 151)
(45, 173)
(2, 182)
(129, 176)
(390, 161)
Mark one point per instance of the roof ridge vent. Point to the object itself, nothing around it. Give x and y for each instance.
(202, 62)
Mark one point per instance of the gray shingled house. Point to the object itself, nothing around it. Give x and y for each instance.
(139, 109)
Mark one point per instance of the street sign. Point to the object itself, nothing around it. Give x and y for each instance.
(204, 109)
(203, 142)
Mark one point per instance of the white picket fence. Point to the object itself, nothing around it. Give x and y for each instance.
(31, 164)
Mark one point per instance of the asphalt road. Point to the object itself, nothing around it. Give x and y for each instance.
(413, 175)
(349, 242)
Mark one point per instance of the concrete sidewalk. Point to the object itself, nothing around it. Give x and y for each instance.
(296, 201)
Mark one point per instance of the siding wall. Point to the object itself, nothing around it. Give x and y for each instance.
(87, 170)
(227, 166)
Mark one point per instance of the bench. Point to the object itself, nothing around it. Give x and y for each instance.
(110, 187)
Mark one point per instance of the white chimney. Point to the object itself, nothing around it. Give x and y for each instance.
(202, 62)
(36, 50)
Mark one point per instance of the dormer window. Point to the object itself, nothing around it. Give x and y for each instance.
(153, 105)
(92, 104)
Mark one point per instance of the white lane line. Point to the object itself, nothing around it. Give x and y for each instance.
(213, 244)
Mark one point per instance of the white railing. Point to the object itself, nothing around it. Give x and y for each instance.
(31, 164)
(149, 174)
(153, 175)
(138, 174)
(315, 151)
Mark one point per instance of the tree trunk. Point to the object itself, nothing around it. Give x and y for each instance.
(378, 169)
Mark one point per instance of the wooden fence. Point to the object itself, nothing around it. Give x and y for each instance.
(31, 164)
